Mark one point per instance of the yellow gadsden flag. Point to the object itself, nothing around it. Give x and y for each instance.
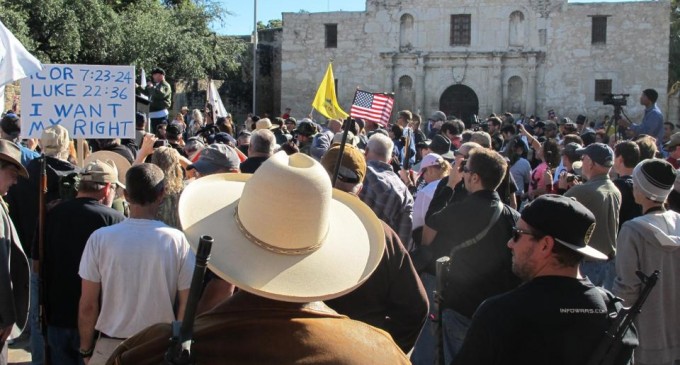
(325, 101)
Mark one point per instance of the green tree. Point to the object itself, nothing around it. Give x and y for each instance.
(174, 35)
(271, 24)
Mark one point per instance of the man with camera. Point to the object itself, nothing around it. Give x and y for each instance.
(568, 177)
(652, 122)
(480, 262)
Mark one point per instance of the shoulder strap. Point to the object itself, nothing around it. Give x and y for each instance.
(610, 300)
(494, 218)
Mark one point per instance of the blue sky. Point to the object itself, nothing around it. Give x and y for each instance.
(241, 22)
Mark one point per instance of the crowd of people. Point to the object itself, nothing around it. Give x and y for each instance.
(323, 264)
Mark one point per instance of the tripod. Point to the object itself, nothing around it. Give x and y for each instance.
(614, 123)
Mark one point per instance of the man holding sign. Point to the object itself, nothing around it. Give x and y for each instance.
(160, 96)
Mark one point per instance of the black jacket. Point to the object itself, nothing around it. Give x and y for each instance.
(483, 269)
(23, 198)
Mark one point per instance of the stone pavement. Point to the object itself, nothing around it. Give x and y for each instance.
(19, 352)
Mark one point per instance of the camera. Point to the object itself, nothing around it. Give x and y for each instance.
(615, 99)
(160, 143)
(572, 177)
(461, 168)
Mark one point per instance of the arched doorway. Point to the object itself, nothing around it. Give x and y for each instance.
(460, 101)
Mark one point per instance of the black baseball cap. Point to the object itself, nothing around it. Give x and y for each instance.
(11, 124)
(600, 153)
(569, 222)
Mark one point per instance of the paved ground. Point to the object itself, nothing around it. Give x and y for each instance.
(19, 352)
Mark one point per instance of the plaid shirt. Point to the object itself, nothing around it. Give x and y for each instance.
(389, 199)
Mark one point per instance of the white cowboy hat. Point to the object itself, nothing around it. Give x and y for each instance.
(122, 164)
(284, 233)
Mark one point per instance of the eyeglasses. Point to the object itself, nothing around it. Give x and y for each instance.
(517, 234)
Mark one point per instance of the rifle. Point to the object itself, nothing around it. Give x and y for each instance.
(407, 148)
(179, 350)
(345, 130)
(40, 270)
(441, 268)
(607, 351)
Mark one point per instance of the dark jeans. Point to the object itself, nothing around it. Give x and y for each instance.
(37, 340)
(600, 273)
(64, 345)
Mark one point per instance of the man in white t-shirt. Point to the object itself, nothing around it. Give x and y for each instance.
(140, 266)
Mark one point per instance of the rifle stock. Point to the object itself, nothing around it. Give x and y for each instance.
(608, 349)
(179, 350)
(441, 267)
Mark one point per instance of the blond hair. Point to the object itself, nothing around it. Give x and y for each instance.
(167, 158)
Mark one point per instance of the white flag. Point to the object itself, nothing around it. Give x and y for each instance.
(15, 61)
(142, 79)
(2, 99)
(216, 101)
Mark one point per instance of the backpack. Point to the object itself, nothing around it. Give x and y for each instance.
(68, 186)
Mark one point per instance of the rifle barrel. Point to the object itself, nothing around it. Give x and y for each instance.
(202, 257)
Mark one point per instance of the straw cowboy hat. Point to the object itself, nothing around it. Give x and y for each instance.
(265, 123)
(334, 245)
(122, 164)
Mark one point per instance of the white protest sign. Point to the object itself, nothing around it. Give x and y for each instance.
(90, 101)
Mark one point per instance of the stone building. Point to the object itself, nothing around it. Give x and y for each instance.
(475, 57)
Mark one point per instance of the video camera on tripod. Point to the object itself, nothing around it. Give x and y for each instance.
(617, 100)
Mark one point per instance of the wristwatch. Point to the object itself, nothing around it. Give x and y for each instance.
(86, 353)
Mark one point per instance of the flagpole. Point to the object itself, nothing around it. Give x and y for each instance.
(255, 57)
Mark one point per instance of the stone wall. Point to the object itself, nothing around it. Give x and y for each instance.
(11, 90)
(527, 57)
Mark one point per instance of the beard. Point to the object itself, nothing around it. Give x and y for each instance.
(523, 266)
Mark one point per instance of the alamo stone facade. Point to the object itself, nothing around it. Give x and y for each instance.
(468, 57)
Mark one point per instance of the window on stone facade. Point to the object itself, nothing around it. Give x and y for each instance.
(406, 32)
(331, 36)
(602, 87)
(599, 32)
(406, 95)
(516, 30)
(542, 37)
(460, 29)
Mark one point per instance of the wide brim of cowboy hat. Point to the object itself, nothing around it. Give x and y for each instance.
(122, 164)
(353, 248)
(22, 170)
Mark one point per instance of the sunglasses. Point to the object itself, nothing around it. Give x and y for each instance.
(517, 234)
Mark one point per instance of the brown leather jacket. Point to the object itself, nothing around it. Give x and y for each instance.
(246, 329)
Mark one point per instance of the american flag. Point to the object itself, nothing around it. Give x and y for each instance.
(376, 107)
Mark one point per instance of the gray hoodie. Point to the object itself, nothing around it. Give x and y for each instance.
(647, 243)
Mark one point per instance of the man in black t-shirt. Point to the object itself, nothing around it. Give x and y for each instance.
(556, 317)
(626, 157)
(68, 226)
